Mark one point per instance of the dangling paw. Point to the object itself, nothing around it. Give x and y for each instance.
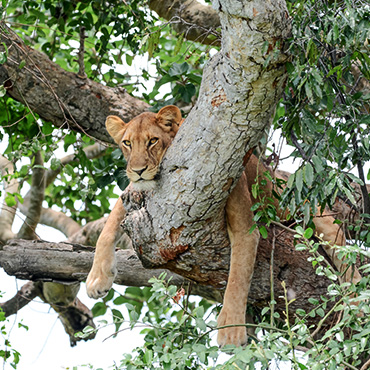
(100, 279)
(236, 335)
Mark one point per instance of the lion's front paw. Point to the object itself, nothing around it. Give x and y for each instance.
(100, 280)
(236, 335)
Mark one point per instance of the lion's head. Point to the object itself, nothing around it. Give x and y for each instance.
(143, 141)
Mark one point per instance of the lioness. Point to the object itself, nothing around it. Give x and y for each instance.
(143, 141)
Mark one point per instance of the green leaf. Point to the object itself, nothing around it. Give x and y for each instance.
(263, 232)
(22, 64)
(109, 296)
(308, 174)
(129, 58)
(308, 233)
(2, 90)
(290, 180)
(148, 357)
(349, 195)
(178, 69)
(306, 212)
(99, 309)
(299, 180)
(187, 92)
(117, 318)
(179, 43)
(103, 181)
(10, 200)
(69, 139)
(318, 163)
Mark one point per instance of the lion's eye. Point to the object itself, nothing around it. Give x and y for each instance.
(126, 143)
(153, 141)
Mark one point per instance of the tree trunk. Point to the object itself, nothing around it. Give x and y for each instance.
(240, 89)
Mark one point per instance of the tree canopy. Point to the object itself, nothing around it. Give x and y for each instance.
(237, 70)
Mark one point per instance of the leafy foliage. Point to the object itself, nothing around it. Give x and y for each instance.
(178, 332)
(7, 353)
(116, 34)
(324, 115)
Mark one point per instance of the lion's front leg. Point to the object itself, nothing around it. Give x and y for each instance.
(243, 256)
(103, 271)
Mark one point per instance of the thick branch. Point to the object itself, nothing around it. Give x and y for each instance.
(52, 262)
(80, 103)
(39, 260)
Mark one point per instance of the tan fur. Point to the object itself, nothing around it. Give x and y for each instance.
(144, 141)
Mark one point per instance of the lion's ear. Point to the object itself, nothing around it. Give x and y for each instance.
(168, 117)
(115, 127)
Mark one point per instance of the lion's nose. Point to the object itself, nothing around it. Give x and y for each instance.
(139, 172)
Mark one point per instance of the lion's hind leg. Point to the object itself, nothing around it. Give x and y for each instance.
(333, 234)
(243, 254)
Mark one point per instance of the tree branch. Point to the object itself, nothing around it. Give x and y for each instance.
(196, 21)
(36, 198)
(66, 262)
(53, 218)
(81, 104)
(25, 295)
(7, 213)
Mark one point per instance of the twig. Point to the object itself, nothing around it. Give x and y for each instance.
(7, 213)
(81, 53)
(272, 299)
(366, 365)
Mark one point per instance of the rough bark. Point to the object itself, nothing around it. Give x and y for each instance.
(79, 103)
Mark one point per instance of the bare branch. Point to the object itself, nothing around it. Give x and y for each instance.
(7, 213)
(196, 21)
(28, 228)
(25, 295)
(52, 218)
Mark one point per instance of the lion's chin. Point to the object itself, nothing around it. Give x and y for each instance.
(143, 185)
